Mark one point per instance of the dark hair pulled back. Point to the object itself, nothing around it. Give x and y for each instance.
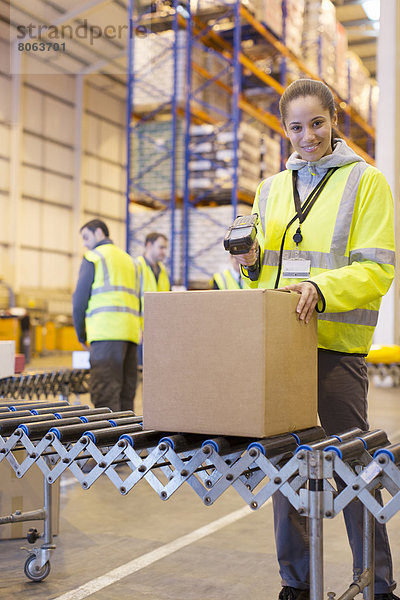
(301, 88)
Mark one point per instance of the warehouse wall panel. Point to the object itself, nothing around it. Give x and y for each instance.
(57, 229)
(32, 181)
(117, 232)
(104, 104)
(4, 139)
(32, 149)
(110, 141)
(5, 263)
(4, 179)
(31, 224)
(4, 211)
(32, 116)
(30, 268)
(110, 176)
(103, 168)
(58, 120)
(56, 270)
(51, 193)
(57, 189)
(59, 158)
(91, 169)
(5, 97)
(59, 86)
(4, 54)
(112, 204)
(90, 133)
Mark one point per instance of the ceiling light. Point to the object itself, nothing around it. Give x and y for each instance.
(372, 9)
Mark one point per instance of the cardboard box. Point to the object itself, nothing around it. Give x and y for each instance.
(24, 494)
(228, 362)
(7, 358)
(81, 359)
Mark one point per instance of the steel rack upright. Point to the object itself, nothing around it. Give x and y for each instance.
(148, 104)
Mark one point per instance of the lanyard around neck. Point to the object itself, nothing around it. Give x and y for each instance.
(302, 211)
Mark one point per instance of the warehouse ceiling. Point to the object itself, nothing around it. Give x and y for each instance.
(94, 33)
(78, 23)
(362, 32)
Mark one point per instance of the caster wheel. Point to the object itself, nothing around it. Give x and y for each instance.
(36, 573)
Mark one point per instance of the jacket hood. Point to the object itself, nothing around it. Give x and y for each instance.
(341, 155)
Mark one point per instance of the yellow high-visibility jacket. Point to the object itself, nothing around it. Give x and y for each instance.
(349, 238)
(148, 281)
(113, 309)
(225, 280)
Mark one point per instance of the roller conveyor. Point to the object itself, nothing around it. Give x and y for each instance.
(61, 383)
(302, 465)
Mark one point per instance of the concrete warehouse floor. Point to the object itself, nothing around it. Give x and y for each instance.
(101, 530)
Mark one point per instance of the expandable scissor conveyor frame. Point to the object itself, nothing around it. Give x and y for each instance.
(301, 465)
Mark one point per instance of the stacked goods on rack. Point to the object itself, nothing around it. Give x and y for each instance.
(294, 25)
(207, 228)
(270, 13)
(212, 153)
(319, 38)
(374, 101)
(207, 6)
(214, 96)
(342, 75)
(359, 85)
(154, 68)
(271, 153)
(151, 160)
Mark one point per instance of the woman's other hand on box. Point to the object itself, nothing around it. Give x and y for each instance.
(309, 298)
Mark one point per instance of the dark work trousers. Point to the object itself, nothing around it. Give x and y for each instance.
(342, 404)
(113, 374)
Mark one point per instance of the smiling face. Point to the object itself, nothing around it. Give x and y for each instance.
(308, 125)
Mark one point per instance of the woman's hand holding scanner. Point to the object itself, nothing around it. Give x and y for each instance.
(308, 300)
(250, 258)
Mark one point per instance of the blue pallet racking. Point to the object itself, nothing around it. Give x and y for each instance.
(222, 33)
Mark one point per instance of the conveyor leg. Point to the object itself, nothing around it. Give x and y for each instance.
(316, 549)
(369, 552)
(37, 565)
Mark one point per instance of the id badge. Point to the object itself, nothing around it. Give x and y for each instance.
(296, 268)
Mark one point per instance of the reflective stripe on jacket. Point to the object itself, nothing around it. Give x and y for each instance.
(226, 281)
(349, 238)
(113, 309)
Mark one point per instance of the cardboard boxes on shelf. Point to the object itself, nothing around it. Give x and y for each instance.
(228, 363)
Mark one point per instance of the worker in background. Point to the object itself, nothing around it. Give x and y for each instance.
(153, 276)
(106, 317)
(327, 233)
(152, 272)
(229, 279)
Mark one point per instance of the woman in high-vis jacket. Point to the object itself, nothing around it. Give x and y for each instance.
(326, 231)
